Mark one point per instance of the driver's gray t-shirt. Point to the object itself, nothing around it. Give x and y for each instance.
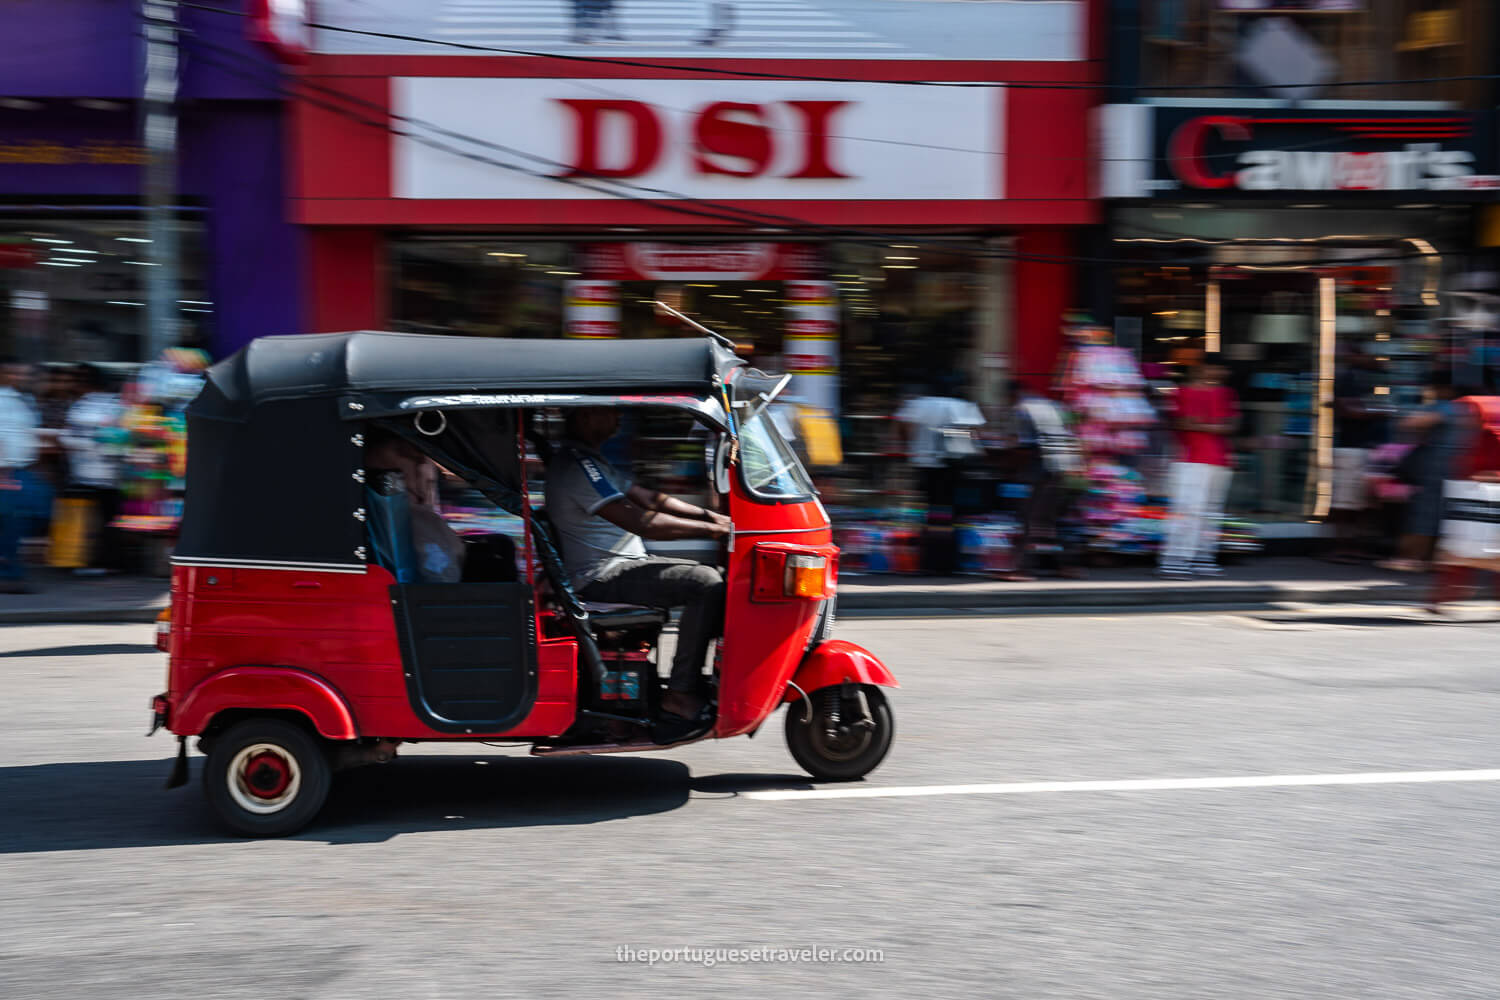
(579, 482)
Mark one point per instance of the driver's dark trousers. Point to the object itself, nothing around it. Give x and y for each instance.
(659, 582)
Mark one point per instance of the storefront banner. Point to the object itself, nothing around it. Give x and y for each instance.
(591, 310)
(700, 261)
(737, 140)
(69, 151)
(810, 349)
(1150, 150)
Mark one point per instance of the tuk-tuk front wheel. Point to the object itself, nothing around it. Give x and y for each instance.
(848, 735)
(266, 777)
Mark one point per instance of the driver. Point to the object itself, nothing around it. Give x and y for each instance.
(601, 518)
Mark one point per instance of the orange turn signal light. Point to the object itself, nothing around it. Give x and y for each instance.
(164, 630)
(806, 576)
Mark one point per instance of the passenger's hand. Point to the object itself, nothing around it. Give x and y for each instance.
(714, 517)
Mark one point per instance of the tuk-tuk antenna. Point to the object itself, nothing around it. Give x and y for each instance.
(695, 324)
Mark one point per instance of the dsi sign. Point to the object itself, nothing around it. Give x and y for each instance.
(1149, 150)
(715, 139)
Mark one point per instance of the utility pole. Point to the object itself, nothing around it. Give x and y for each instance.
(160, 141)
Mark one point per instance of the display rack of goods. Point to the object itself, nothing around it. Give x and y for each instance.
(890, 544)
(151, 439)
(987, 545)
(1103, 387)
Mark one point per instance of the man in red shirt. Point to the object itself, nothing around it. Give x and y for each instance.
(1205, 415)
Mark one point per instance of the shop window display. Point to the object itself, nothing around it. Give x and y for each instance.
(1285, 317)
(874, 324)
(74, 289)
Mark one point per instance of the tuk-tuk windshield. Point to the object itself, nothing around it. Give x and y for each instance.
(769, 465)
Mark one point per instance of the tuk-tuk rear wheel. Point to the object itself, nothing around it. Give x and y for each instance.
(853, 751)
(266, 777)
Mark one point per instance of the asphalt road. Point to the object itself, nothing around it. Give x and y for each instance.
(476, 872)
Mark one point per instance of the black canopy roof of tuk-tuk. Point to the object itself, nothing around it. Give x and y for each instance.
(276, 470)
(382, 370)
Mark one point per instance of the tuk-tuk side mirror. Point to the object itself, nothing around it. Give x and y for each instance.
(718, 462)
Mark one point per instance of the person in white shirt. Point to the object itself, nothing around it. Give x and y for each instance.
(94, 464)
(18, 448)
(937, 432)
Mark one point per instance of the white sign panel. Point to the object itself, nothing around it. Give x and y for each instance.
(725, 140)
(704, 30)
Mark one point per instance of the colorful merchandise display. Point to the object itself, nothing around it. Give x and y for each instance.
(892, 543)
(1103, 387)
(987, 546)
(152, 439)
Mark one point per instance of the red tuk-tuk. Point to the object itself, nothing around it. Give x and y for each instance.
(298, 645)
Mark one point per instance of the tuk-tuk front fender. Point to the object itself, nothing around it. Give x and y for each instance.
(835, 661)
(265, 689)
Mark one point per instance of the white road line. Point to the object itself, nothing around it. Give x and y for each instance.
(1136, 785)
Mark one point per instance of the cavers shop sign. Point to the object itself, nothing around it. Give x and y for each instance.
(718, 139)
(1273, 150)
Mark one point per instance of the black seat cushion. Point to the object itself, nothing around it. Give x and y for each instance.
(610, 616)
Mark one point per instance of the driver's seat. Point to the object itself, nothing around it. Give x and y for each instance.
(602, 615)
(613, 616)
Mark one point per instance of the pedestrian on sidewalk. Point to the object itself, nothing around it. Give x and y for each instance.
(1437, 432)
(1205, 413)
(938, 437)
(1051, 461)
(90, 436)
(1358, 427)
(18, 449)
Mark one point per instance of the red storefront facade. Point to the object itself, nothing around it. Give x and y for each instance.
(910, 202)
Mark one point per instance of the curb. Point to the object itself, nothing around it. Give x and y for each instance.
(979, 597)
(1129, 597)
(140, 615)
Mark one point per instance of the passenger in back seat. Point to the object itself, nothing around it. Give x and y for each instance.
(439, 551)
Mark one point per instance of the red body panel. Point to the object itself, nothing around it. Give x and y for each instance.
(266, 688)
(836, 661)
(763, 642)
(335, 626)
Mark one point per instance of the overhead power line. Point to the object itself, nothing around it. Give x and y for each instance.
(675, 202)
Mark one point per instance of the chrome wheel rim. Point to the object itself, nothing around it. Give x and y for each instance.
(264, 778)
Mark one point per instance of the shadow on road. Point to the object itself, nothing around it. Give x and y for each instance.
(112, 804)
(96, 649)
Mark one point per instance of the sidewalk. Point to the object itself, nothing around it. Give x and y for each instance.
(65, 598)
(1251, 582)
